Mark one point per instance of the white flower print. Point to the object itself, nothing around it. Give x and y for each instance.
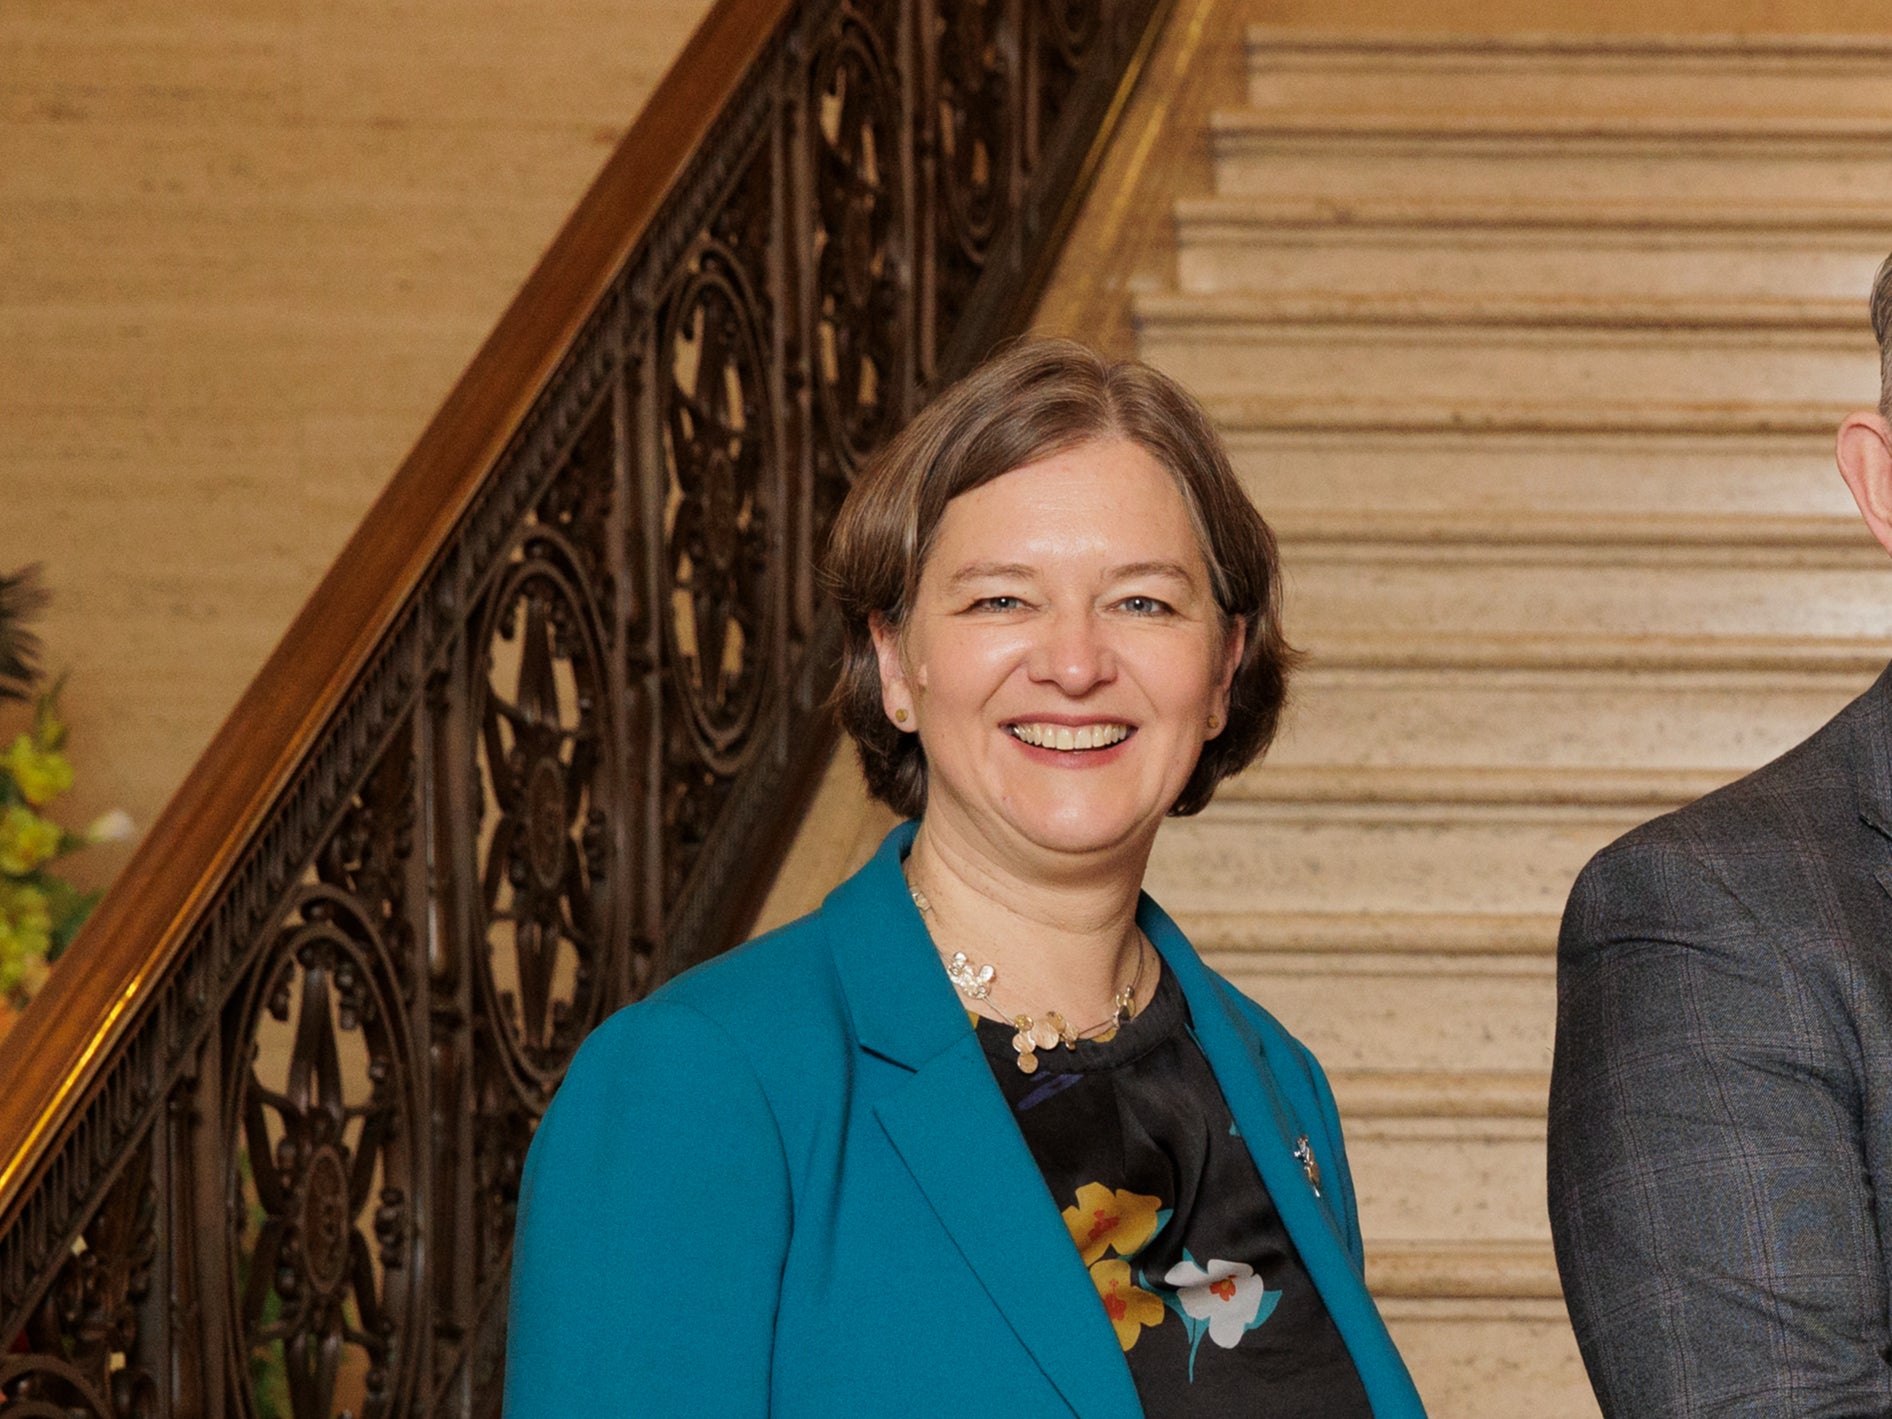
(1227, 1295)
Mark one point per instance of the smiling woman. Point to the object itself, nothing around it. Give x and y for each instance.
(983, 1132)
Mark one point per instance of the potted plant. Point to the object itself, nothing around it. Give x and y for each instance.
(40, 911)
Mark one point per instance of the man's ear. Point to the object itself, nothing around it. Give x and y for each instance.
(1865, 462)
(896, 696)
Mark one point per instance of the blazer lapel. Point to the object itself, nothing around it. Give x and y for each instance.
(1870, 757)
(952, 1129)
(1240, 1060)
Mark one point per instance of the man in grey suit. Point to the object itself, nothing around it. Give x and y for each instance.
(1721, 1101)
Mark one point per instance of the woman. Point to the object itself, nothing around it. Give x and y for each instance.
(982, 1135)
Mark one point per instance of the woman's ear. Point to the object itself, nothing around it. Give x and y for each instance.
(896, 695)
(1865, 462)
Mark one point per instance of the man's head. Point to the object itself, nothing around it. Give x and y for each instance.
(1865, 439)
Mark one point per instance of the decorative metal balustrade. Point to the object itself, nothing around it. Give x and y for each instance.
(537, 742)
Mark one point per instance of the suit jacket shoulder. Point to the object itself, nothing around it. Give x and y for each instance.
(1785, 848)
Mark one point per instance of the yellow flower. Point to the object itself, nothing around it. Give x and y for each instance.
(1128, 1305)
(26, 933)
(26, 840)
(42, 774)
(1120, 1221)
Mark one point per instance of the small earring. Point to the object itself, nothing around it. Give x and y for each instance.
(899, 716)
(1214, 723)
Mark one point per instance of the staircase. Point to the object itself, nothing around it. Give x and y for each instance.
(1531, 350)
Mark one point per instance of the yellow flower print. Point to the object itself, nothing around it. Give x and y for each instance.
(26, 840)
(1128, 1305)
(1103, 1219)
(42, 774)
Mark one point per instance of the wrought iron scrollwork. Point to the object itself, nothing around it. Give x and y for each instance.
(978, 124)
(862, 315)
(322, 1180)
(80, 1355)
(286, 1190)
(720, 508)
(547, 769)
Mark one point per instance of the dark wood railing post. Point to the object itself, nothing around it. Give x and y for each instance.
(537, 741)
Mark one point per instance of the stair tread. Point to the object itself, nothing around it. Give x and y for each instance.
(1440, 1094)
(1563, 43)
(1520, 528)
(1567, 651)
(1239, 412)
(1227, 308)
(1729, 127)
(1736, 214)
(1494, 1269)
(1492, 933)
(1474, 786)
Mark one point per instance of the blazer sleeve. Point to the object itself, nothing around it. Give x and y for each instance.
(1713, 1221)
(654, 1219)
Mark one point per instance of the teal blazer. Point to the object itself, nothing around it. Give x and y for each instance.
(787, 1184)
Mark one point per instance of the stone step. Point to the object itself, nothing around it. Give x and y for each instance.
(1350, 155)
(1466, 856)
(1373, 248)
(1370, 533)
(1470, 786)
(1482, 1358)
(1446, 1157)
(1717, 722)
(1449, 650)
(1307, 460)
(1502, 74)
(1230, 938)
(1595, 353)
(1412, 1011)
(1469, 1271)
(1464, 589)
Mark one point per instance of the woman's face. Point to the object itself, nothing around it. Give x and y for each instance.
(1064, 657)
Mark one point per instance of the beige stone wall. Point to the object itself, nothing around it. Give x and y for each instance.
(245, 248)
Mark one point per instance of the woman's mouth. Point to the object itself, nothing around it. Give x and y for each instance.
(1066, 738)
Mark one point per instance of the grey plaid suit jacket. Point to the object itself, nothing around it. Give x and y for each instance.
(1721, 1100)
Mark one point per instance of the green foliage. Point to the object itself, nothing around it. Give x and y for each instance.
(40, 912)
(21, 598)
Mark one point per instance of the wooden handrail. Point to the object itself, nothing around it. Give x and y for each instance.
(53, 1051)
(540, 734)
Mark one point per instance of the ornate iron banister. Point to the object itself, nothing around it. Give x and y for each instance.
(538, 738)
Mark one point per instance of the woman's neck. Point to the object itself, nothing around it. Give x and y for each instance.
(1067, 943)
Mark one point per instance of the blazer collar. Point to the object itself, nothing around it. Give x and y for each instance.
(903, 1007)
(1871, 716)
(1248, 1066)
(951, 1126)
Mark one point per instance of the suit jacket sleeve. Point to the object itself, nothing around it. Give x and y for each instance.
(654, 1220)
(1712, 1216)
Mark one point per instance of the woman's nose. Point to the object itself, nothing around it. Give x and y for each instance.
(1073, 653)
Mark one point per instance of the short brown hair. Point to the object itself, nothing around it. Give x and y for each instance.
(1033, 400)
(1881, 308)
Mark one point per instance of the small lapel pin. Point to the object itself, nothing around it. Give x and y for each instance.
(1304, 1151)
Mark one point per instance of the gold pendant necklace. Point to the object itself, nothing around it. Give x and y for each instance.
(975, 982)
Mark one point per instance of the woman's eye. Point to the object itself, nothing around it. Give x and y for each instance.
(997, 603)
(1144, 605)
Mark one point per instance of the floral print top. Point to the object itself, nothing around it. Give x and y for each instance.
(1206, 1292)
